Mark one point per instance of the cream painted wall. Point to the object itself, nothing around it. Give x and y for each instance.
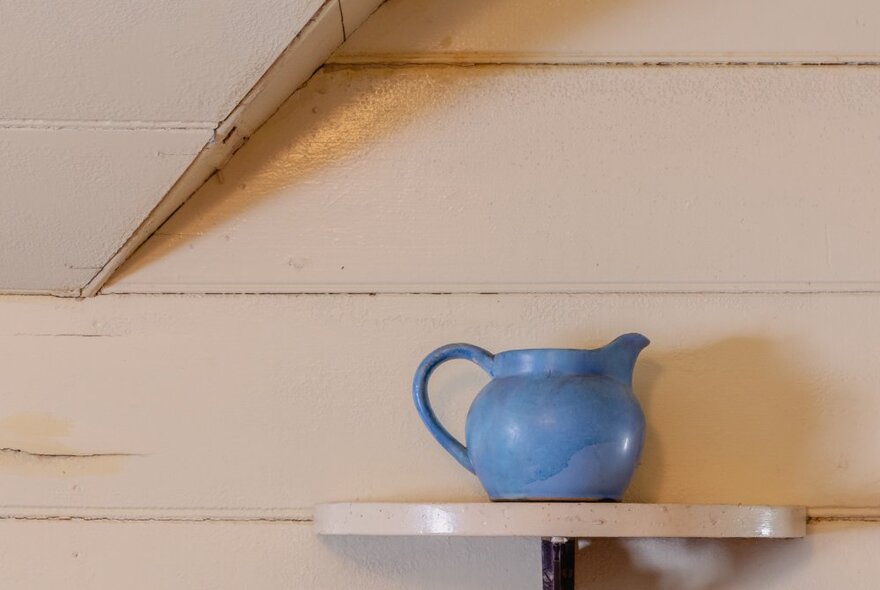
(603, 31)
(564, 178)
(725, 211)
(230, 416)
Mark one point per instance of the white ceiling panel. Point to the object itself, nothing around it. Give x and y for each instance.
(104, 104)
(132, 60)
(69, 198)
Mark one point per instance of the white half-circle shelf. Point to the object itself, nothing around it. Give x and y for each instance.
(561, 519)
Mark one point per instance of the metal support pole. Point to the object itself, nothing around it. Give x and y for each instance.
(557, 561)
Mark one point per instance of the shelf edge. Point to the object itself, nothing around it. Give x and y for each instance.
(577, 520)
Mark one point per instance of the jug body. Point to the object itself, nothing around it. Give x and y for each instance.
(552, 424)
(575, 437)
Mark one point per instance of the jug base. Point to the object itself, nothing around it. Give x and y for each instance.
(532, 499)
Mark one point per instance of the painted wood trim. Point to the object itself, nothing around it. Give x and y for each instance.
(296, 64)
(562, 519)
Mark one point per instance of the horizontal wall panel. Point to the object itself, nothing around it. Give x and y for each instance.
(568, 178)
(242, 403)
(69, 198)
(650, 30)
(129, 60)
(182, 556)
(99, 555)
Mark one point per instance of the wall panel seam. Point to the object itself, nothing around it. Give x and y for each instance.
(110, 124)
(373, 293)
(155, 514)
(815, 514)
(383, 61)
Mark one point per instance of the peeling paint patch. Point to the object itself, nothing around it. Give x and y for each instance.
(21, 462)
(65, 335)
(65, 455)
(29, 445)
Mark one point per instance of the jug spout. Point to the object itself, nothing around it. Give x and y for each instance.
(619, 356)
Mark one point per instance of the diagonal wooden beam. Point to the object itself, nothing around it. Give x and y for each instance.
(327, 30)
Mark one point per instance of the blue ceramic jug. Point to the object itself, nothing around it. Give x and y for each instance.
(552, 424)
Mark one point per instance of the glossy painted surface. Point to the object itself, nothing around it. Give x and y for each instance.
(553, 424)
(561, 519)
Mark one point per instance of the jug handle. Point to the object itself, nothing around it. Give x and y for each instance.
(475, 354)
